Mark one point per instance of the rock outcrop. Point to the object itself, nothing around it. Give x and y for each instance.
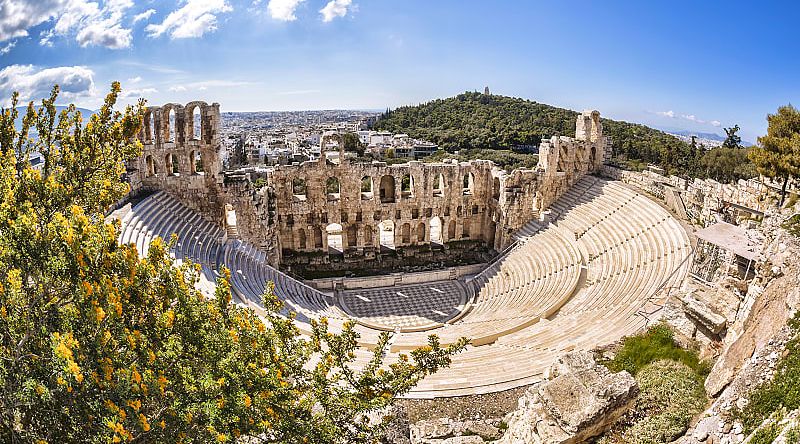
(580, 399)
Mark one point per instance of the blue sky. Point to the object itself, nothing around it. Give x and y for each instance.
(692, 65)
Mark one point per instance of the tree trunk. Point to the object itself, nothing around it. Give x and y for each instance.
(783, 191)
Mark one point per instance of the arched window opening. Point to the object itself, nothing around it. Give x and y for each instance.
(405, 232)
(171, 165)
(299, 188)
(368, 236)
(230, 218)
(386, 229)
(458, 211)
(352, 236)
(197, 163)
(195, 126)
(334, 234)
(407, 186)
(170, 126)
(301, 239)
(468, 184)
(436, 230)
(438, 186)
(496, 188)
(421, 232)
(451, 230)
(465, 230)
(366, 188)
(317, 237)
(151, 166)
(387, 189)
(149, 127)
(592, 157)
(332, 189)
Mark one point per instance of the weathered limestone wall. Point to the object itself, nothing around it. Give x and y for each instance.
(701, 200)
(179, 158)
(341, 215)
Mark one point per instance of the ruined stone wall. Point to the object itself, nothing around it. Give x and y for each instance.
(181, 159)
(343, 215)
(702, 201)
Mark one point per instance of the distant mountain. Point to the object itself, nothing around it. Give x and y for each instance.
(708, 139)
(701, 135)
(86, 113)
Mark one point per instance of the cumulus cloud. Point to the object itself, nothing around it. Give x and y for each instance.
(143, 16)
(90, 23)
(283, 10)
(137, 93)
(18, 16)
(194, 19)
(692, 118)
(178, 88)
(7, 48)
(670, 114)
(34, 83)
(715, 123)
(334, 9)
(136, 79)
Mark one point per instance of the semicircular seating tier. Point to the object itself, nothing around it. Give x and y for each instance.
(587, 278)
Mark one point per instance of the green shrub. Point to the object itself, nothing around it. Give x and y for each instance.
(671, 394)
(766, 434)
(783, 391)
(792, 225)
(793, 435)
(656, 344)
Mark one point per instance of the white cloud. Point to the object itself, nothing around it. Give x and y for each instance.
(283, 10)
(692, 118)
(715, 123)
(194, 19)
(34, 83)
(670, 114)
(143, 16)
(106, 33)
(17, 16)
(136, 79)
(298, 92)
(7, 48)
(137, 93)
(178, 88)
(334, 9)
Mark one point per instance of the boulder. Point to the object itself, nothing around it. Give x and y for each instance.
(582, 399)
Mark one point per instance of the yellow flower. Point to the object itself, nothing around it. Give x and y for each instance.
(136, 376)
(135, 404)
(247, 401)
(145, 424)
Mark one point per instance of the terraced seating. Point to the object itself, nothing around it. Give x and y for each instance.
(580, 279)
(634, 246)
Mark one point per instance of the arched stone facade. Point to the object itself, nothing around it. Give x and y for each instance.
(474, 206)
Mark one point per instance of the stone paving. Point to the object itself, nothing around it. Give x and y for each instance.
(406, 307)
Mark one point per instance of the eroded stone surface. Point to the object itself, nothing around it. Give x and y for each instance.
(582, 400)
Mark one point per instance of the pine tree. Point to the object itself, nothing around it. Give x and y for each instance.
(778, 155)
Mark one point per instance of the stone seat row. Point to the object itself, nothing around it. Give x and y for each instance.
(644, 249)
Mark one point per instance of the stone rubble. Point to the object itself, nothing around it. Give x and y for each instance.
(581, 400)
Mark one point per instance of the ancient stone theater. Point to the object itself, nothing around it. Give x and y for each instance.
(528, 264)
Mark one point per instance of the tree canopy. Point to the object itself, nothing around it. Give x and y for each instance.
(99, 345)
(475, 123)
(778, 153)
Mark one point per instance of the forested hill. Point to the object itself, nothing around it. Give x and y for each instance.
(476, 120)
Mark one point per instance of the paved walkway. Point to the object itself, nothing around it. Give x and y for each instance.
(405, 307)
